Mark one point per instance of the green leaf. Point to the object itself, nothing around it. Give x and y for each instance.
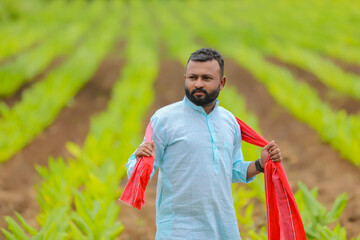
(74, 149)
(15, 229)
(115, 230)
(8, 235)
(26, 226)
(82, 209)
(337, 208)
(81, 224)
(42, 171)
(314, 208)
(76, 233)
(324, 232)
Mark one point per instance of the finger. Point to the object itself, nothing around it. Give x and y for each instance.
(273, 147)
(276, 151)
(276, 158)
(269, 145)
(149, 152)
(149, 148)
(144, 152)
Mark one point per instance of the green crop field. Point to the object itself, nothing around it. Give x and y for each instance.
(80, 79)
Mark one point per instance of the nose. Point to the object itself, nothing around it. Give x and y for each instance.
(199, 83)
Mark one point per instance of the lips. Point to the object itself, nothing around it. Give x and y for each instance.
(199, 93)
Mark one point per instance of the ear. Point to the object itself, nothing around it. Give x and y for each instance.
(184, 76)
(222, 82)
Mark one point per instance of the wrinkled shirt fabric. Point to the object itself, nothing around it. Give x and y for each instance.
(198, 156)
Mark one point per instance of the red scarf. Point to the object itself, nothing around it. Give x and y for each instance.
(283, 217)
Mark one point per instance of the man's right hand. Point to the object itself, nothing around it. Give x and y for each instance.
(145, 150)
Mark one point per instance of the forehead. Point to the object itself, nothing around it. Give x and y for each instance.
(208, 67)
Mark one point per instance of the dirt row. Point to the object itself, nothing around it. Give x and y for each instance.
(348, 67)
(306, 158)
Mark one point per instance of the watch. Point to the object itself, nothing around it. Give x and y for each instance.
(258, 166)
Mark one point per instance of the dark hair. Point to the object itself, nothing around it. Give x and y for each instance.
(207, 54)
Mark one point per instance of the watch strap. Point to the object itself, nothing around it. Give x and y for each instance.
(258, 166)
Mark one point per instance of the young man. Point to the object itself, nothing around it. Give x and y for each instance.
(197, 149)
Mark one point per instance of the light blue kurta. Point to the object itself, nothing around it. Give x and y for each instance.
(198, 157)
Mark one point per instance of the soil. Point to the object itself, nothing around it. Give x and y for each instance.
(306, 157)
(18, 175)
(348, 67)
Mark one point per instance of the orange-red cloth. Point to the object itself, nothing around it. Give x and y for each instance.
(283, 217)
(134, 192)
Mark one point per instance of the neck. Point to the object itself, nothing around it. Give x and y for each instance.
(208, 108)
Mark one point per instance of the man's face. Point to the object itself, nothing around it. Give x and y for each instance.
(203, 82)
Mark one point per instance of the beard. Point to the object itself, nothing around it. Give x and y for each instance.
(204, 100)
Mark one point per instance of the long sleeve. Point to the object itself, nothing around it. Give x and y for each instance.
(131, 162)
(159, 138)
(240, 167)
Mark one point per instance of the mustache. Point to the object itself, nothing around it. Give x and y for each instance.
(198, 91)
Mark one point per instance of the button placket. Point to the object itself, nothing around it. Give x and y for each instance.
(215, 159)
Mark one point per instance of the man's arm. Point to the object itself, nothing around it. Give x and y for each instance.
(271, 149)
(154, 148)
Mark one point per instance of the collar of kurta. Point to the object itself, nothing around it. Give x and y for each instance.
(283, 217)
(197, 108)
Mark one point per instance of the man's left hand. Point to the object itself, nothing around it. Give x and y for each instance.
(273, 150)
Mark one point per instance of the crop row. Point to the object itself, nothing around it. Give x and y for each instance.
(27, 65)
(24, 32)
(274, 43)
(330, 30)
(90, 182)
(41, 103)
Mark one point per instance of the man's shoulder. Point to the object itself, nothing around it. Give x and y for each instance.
(168, 110)
(228, 117)
(226, 113)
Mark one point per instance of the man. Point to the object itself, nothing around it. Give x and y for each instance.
(197, 149)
